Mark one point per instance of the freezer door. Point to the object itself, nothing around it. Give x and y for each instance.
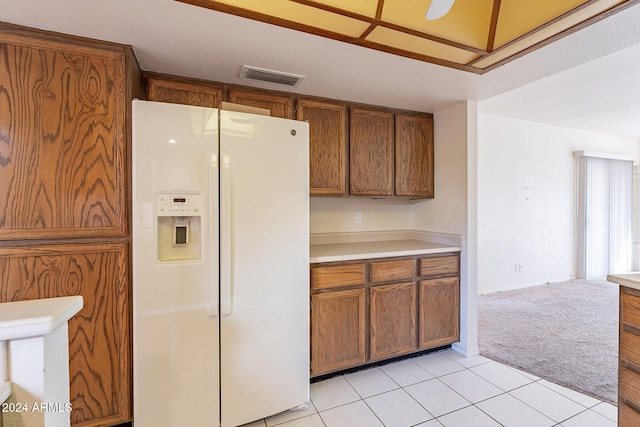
(175, 336)
(264, 266)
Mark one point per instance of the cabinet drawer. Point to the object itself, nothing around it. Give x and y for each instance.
(435, 266)
(630, 346)
(392, 270)
(337, 276)
(628, 416)
(630, 309)
(629, 384)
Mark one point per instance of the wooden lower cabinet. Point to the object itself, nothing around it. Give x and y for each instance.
(629, 358)
(392, 320)
(370, 310)
(439, 312)
(627, 416)
(99, 335)
(338, 332)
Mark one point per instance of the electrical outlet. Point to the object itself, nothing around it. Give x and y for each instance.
(358, 217)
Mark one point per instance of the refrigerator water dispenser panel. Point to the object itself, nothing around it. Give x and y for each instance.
(179, 227)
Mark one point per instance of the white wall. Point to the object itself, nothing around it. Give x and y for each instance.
(453, 208)
(526, 196)
(337, 215)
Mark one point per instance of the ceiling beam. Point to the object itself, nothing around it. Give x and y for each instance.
(372, 27)
(494, 25)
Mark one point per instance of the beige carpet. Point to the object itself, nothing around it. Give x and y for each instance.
(565, 332)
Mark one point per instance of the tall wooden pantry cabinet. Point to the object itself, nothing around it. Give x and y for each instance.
(65, 113)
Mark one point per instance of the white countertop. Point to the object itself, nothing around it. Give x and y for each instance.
(25, 319)
(377, 249)
(630, 280)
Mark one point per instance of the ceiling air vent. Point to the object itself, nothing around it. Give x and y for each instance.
(271, 76)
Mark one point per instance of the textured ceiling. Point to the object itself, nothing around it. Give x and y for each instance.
(475, 35)
(546, 85)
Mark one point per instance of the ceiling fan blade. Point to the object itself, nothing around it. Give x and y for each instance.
(438, 9)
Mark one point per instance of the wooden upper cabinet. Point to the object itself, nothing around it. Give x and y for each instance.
(327, 146)
(279, 105)
(414, 155)
(371, 152)
(63, 138)
(183, 91)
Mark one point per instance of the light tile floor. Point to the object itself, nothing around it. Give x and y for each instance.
(444, 389)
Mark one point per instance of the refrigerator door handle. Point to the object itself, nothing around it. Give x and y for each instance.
(213, 242)
(226, 235)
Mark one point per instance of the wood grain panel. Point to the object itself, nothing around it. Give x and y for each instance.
(371, 153)
(62, 140)
(279, 105)
(630, 346)
(414, 156)
(627, 416)
(439, 265)
(99, 347)
(188, 92)
(629, 384)
(384, 271)
(338, 335)
(439, 308)
(337, 276)
(630, 309)
(327, 146)
(392, 314)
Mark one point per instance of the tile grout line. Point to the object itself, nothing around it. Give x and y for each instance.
(467, 368)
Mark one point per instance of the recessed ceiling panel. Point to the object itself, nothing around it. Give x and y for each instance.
(519, 17)
(547, 33)
(467, 22)
(475, 35)
(420, 46)
(363, 7)
(303, 14)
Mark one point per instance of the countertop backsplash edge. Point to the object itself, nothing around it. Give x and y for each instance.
(374, 236)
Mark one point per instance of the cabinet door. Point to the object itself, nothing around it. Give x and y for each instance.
(371, 153)
(327, 146)
(279, 105)
(439, 310)
(183, 91)
(414, 155)
(337, 331)
(392, 314)
(63, 149)
(99, 335)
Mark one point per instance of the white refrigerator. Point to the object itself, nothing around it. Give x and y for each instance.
(220, 266)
